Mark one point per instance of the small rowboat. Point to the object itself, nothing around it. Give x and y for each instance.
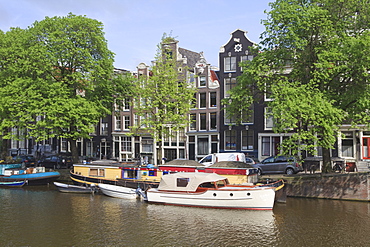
(69, 188)
(12, 184)
(118, 191)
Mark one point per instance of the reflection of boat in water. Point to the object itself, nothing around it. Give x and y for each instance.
(70, 188)
(118, 191)
(209, 190)
(33, 175)
(133, 175)
(239, 227)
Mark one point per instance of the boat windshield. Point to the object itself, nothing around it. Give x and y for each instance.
(221, 183)
(207, 185)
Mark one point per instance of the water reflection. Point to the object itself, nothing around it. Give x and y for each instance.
(44, 217)
(205, 226)
(310, 222)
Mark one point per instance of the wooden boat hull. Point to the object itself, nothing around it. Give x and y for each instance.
(118, 191)
(130, 183)
(83, 180)
(13, 184)
(69, 188)
(227, 197)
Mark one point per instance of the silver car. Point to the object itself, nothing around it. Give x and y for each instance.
(279, 164)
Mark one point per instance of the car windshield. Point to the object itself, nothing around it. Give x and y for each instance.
(269, 160)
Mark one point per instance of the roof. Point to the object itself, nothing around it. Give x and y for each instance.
(182, 162)
(191, 56)
(231, 164)
(214, 81)
(187, 181)
(235, 33)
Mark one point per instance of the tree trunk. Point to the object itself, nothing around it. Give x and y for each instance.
(4, 148)
(74, 151)
(326, 161)
(160, 147)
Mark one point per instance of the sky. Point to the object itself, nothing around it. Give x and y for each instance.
(133, 28)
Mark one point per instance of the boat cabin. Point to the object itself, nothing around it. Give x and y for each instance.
(191, 181)
(106, 171)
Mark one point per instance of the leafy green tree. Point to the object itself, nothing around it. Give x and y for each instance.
(61, 82)
(163, 100)
(313, 63)
(14, 65)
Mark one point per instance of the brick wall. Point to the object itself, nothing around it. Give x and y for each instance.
(353, 186)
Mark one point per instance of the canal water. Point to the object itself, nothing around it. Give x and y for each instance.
(42, 216)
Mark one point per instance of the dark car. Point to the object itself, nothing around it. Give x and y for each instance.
(56, 161)
(279, 164)
(27, 160)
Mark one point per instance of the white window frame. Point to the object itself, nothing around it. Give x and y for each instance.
(200, 81)
(117, 122)
(126, 120)
(268, 118)
(229, 85)
(340, 144)
(210, 125)
(231, 65)
(205, 103)
(200, 121)
(210, 101)
(193, 125)
(126, 103)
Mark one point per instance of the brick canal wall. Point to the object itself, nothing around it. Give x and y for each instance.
(350, 186)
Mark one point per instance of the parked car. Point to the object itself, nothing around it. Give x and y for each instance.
(28, 160)
(250, 161)
(210, 159)
(56, 161)
(279, 164)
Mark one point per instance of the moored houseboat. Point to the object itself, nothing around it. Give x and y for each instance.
(133, 175)
(125, 174)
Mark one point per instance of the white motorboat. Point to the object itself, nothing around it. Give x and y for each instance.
(211, 190)
(118, 191)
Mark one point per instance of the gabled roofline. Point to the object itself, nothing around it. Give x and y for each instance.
(231, 36)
